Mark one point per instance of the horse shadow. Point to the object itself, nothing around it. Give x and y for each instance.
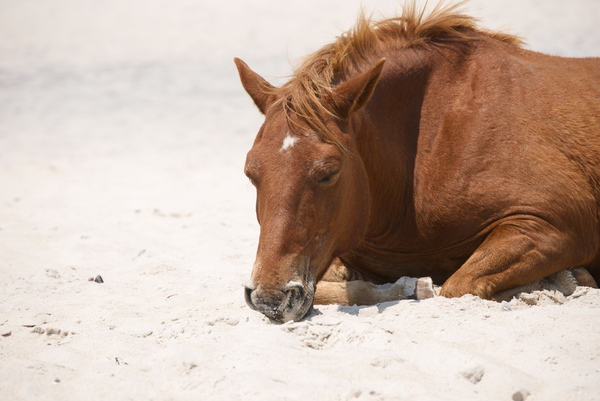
(355, 310)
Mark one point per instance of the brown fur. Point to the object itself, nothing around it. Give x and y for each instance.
(462, 157)
(307, 93)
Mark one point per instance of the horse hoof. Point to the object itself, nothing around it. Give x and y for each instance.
(583, 277)
(424, 288)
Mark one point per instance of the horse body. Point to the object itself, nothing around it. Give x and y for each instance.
(463, 157)
(480, 145)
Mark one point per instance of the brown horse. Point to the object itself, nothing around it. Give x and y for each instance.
(423, 146)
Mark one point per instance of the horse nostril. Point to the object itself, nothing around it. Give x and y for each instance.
(280, 304)
(295, 292)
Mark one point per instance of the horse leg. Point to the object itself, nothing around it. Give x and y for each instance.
(515, 254)
(342, 286)
(565, 281)
(583, 277)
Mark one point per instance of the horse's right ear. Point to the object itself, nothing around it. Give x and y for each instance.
(354, 94)
(256, 86)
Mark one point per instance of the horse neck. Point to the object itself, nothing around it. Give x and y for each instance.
(387, 136)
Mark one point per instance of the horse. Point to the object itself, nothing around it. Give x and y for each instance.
(423, 146)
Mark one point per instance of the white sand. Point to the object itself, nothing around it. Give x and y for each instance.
(123, 131)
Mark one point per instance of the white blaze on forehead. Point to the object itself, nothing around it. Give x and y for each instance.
(288, 142)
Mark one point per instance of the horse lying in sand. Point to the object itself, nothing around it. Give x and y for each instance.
(423, 146)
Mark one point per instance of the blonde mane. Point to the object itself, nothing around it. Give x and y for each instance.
(305, 94)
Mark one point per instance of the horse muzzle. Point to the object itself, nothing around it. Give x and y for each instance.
(292, 302)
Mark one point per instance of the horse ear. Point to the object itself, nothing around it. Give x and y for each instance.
(354, 94)
(256, 86)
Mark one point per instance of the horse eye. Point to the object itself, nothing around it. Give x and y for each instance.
(329, 179)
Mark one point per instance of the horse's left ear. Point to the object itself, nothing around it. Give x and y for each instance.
(256, 86)
(354, 94)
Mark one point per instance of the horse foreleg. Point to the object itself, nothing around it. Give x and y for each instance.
(583, 277)
(360, 292)
(515, 256)
(565, 281)
(343, 286)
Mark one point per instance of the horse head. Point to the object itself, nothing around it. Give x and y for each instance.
(313, 199)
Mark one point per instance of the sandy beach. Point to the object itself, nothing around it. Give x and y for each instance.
(123, 134)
